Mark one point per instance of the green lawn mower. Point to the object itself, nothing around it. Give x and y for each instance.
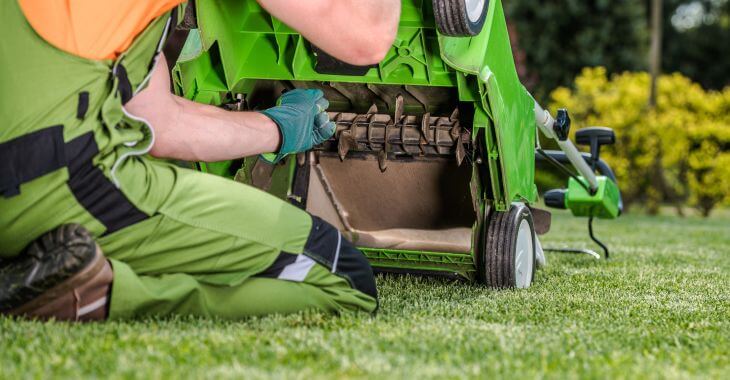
(432, 167)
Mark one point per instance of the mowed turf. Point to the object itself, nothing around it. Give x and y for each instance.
(659, 309)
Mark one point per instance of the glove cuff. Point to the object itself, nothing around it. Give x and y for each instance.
(275, 157)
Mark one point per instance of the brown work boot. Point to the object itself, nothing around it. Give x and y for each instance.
(62, 275)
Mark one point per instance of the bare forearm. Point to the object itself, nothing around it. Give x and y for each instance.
(206, 133)
(190, 131)
(356, 31)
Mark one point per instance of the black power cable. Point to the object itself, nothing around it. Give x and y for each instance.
(574, 250)
(584, 251)
(595, 240)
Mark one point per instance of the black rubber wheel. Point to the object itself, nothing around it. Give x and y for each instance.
(460, 18)
(507, 255)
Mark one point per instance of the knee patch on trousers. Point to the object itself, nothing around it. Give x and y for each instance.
(327, 247)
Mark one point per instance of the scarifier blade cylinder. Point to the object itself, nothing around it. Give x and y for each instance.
(408, 135)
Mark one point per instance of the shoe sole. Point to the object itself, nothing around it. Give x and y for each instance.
(92, 269)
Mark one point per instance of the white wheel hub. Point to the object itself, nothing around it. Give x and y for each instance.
(524, 256)
(474, 9)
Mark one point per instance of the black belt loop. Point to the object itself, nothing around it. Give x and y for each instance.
(83, 105)
(124, 88)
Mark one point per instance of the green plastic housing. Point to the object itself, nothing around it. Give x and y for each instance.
(603, 204)
(238, 43)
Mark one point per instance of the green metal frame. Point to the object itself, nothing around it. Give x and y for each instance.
(461, 264)
(238, 43)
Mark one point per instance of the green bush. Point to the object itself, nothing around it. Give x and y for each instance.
(677, 153)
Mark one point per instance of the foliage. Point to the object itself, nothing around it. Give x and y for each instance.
(554, 40)
(696, 37)
(679, 152)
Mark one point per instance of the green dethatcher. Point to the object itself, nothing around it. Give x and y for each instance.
(432, 167)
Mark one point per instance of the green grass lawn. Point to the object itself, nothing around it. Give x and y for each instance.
(659, 309)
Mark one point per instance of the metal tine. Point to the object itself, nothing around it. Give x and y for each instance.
(373, 109)
(346, 139)
(436, 135)
(352, 132)
(400, 121)
(425, 126)
(345, 143)
(456, 135)
(456, 129)
(398, 115)
(398, 109)
(454, 115)
(337, 119)
(419, 135)
(460, 151)
(383, 154)
(382, 161)
(371, 121)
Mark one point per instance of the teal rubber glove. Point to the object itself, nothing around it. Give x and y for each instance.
(303, 121)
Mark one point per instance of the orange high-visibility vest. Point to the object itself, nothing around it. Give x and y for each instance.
(95, 29)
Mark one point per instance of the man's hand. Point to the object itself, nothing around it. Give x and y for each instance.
(302, 119)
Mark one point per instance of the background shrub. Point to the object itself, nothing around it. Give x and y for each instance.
(555, 39)
(677, 153)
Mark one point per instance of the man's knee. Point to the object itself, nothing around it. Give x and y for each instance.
(327, 253)
(328, 247)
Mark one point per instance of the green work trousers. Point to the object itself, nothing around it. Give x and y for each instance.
(180, 242)
(209, 246)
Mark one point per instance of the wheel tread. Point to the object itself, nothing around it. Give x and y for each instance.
(452, 19)
(497, 264)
